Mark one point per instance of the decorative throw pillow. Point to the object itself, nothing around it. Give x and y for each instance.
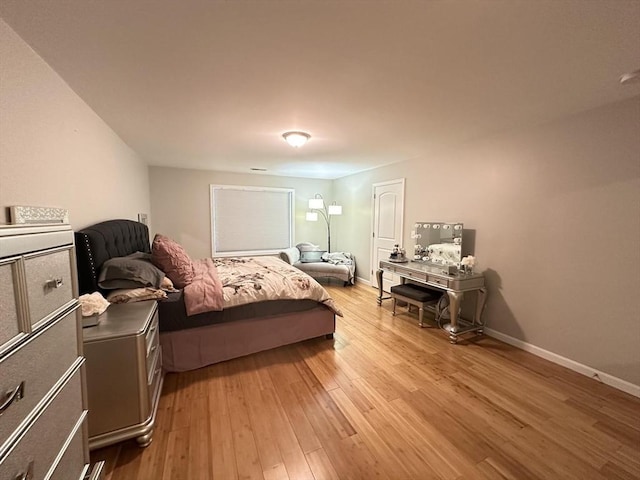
(132, 271)
(307, 247)
(311, 256)
(173, 260)
(130, 295)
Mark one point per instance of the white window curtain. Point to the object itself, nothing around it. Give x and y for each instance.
(251, 220)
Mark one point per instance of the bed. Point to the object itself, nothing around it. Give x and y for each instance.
(194, 341)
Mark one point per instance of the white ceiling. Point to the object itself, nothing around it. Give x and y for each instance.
(214, 84)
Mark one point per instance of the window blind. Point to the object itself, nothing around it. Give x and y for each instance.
(251, 220)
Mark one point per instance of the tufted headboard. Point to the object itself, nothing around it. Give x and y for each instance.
(100, 242)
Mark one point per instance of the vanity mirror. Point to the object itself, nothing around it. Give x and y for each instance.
(438, 242)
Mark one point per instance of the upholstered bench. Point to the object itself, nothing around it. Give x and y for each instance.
(320, 269)
(414, 295)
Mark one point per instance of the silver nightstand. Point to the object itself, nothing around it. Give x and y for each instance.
(124, 374)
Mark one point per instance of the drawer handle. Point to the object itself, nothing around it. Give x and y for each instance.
(12, 396)
(54, 283)
(26, 475)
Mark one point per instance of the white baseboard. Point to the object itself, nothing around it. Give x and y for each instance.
(603, 377)
(362, 280)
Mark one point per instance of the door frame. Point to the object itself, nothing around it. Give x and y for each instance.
(401, 181)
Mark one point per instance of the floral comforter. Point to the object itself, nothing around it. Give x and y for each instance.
(249, 280)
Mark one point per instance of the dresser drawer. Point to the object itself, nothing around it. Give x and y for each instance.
(10, 316)
(49, 282)
(73, 462)
(35, 368)
(38, 448)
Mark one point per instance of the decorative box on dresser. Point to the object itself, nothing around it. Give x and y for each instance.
(43, 404)
(124, 374)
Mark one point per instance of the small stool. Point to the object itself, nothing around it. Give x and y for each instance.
(414, 295)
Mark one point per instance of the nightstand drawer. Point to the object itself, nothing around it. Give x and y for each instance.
(10, 326)
(152, 337)
(37, 449)
(35, 368)
(156, 379)
(49, 283)
(153, 361)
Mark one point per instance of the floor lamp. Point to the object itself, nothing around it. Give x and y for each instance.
(317, 205)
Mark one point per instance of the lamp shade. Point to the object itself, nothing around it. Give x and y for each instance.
(316, 203)
(335, 209)
(312, 216)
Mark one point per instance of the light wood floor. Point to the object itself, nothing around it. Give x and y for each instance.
(386, 399)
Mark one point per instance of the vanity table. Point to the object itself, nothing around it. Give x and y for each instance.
(455, 285)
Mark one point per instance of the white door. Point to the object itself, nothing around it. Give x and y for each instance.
(388, 219)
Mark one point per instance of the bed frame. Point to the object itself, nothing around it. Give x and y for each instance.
(195, 347)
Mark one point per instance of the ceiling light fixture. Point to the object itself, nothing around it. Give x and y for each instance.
(296, 139)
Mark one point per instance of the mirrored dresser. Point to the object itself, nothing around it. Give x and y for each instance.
(43, 405)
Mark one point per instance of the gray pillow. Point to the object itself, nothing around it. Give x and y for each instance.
(311, 257)
(133, 271)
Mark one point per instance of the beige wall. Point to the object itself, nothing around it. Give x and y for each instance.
(180, 204)
(556, 214)
(55, 151)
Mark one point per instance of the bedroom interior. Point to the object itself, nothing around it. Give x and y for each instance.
(509, 118)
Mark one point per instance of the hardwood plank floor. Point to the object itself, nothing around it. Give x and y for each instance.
(385, 399)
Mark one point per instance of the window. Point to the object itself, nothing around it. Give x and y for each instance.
(251, 220)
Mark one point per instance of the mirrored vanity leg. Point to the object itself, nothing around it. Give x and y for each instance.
(379, 278)
(455, 299)
(480, 301)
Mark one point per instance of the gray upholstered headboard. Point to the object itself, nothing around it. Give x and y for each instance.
(100, 242)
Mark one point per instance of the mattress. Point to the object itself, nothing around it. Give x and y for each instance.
(173, 314)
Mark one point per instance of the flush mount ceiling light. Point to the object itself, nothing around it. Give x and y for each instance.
(296, 139)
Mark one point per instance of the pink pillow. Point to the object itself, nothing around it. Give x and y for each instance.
(173, 260)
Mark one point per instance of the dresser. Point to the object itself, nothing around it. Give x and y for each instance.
(43, 405)
(124, 374)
